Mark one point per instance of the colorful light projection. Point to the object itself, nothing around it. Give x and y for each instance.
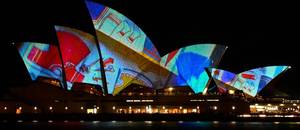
(189, 63)
(124, 66)
(250, 82)
(80, 56)
(41, 60)
(122, 29)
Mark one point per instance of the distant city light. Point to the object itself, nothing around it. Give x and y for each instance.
(81, 108)
(180, 107)
(170, 89)
(66, 108)
(5, 108)
(215, 107)
(20, 108)
(113, 107)
(35, 108)
(50, 108)
(163, 107)
(233, 107)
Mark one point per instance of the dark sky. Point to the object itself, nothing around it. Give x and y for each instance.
(257, 34)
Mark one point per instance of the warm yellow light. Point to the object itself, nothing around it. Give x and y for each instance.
(5, 108)
(233, 107)
(163, 107)
(66, 108)
(231, 91)
(81, 108)
(50, 108)
(35, 108)
(180, 107)
(113, 107)
(170, 89)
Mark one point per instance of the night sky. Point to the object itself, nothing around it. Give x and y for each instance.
(257, 34)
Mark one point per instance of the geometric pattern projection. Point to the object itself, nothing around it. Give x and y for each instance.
(250, 82)
(189, 63)
(122, 29)
(129, 57)
(80, 56)
(41, 60)
(121, 64)
(124, 66)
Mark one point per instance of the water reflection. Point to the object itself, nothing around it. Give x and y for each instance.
(145, 125)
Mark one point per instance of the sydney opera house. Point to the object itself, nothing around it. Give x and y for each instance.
(119, 70)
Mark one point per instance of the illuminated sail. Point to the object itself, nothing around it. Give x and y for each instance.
(250, 82)
(123, 65)
(189, 63)
(80, 56)
(122, 29)
(41, 60)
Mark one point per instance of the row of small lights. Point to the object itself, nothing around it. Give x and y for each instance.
(50, 108)
(66, 108)
(214, 107)
(280, 105)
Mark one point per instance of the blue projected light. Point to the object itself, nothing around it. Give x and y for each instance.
(189, 63)
(250, 82)
(194, 77)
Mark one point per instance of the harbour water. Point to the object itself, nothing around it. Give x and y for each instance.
(147, 125)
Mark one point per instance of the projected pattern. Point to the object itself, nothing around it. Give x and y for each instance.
(41, 60)
(188, 64)
(80, 56)
(121, 65)
(250, 82)
(127, 67)
(120, 28)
